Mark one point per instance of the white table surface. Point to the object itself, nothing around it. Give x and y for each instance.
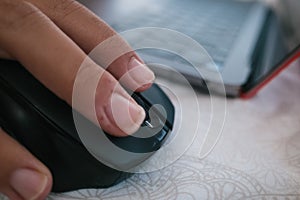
(256, 157)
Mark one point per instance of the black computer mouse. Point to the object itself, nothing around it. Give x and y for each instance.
(44, 124)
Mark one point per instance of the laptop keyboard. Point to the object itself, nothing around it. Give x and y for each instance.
(215, 24)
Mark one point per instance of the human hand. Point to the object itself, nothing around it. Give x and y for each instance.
(52, 39)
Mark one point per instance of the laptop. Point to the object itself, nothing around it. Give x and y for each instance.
(244, 39)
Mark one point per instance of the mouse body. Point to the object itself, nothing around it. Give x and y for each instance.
(44, 124)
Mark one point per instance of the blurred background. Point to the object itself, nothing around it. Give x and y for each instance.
(289, 12)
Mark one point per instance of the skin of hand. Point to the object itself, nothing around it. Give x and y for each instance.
(52, 39)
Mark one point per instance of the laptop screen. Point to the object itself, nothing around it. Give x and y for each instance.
(275, 48)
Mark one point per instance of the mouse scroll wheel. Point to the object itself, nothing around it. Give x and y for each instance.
(148, 123)
(152, 120)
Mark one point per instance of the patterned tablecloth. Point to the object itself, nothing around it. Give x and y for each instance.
(256, 157)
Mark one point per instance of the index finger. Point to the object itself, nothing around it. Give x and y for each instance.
(88, 31)
(53, 58)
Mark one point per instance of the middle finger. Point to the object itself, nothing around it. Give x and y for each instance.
(88, 30)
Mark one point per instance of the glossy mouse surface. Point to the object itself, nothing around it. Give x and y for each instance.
(44, 124)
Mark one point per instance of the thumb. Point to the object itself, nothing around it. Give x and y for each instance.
(21, 175)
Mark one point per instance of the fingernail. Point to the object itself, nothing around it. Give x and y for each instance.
(127, 115)
(139, 72)
(28, 183)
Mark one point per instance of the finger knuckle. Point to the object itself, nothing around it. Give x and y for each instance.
(106, 87)
(63, 8)
(108, 81)
(15, 14)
